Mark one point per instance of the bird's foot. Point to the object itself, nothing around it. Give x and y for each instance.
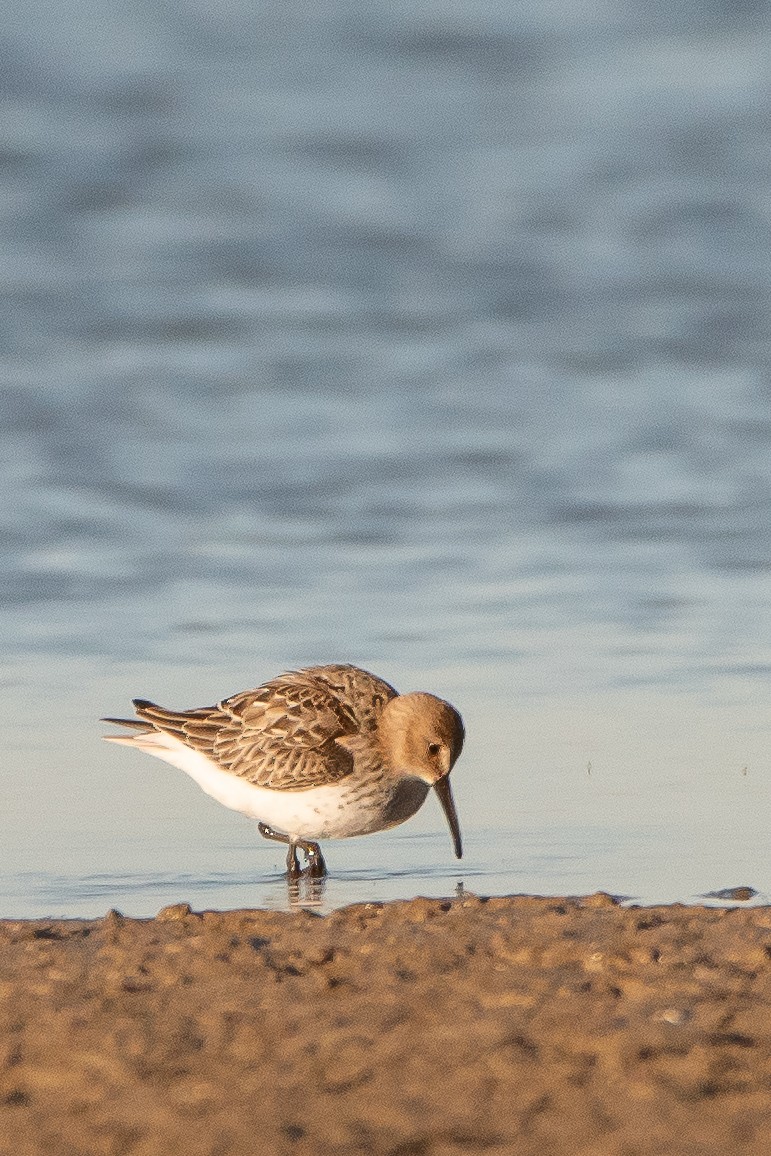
(315, 865)
(314, 860)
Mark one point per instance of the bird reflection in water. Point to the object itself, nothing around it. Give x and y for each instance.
(305, 889)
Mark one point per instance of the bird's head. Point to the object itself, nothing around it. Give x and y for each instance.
(423, 737)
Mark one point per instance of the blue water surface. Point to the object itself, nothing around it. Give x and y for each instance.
(431, 336)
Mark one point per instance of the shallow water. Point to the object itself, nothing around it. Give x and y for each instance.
(433, 339)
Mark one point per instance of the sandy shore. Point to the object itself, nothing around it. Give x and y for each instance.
(427, 1028)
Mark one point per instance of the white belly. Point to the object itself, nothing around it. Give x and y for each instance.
(332, 812)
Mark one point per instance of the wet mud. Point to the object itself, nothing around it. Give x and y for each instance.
(423, 1028)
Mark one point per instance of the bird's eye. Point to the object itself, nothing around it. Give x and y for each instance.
(434, 749)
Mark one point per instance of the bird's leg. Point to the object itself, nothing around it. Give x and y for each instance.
(317, 868)
(268, 833)
(292, 862)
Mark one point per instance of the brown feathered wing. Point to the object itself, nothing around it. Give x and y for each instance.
(283, 735)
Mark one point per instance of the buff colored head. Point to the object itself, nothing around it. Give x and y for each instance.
(423, 736)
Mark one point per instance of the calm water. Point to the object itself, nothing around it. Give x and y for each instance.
(429, 336)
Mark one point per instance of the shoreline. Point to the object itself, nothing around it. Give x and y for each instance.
(514, 1024)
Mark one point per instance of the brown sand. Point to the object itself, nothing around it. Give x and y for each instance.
(425, 1028)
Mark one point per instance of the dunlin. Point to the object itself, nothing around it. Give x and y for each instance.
(323, 753)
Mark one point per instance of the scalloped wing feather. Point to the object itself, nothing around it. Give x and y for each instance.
(283, 735)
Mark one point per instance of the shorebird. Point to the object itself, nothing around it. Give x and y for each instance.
(328, 752)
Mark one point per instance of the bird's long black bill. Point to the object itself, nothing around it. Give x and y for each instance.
(442, 788)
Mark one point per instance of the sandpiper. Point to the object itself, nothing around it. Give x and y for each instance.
(322, 753)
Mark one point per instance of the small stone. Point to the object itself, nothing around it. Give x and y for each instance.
(737, 894)
(174, 913)
(600, 899)
(673, 1015)
(112, 927)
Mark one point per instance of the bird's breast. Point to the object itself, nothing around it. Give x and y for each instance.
(404, 799)
(372, 805)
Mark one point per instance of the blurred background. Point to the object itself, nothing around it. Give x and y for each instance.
(431, 336)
